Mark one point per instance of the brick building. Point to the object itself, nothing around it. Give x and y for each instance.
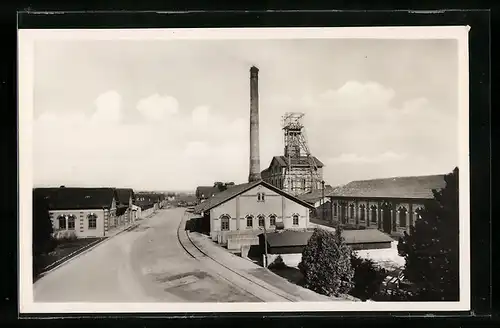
(390, 205)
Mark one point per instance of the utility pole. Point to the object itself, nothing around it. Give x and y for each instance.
(265, 243)
(323, 200)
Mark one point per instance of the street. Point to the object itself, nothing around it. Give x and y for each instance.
(146, 264)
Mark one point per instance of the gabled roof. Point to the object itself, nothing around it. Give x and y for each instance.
(206, 191)
(149, 198)
(301, 161)
(236, 190)
(316, 195)
(416, 187)
(123, 195)
(66, 198)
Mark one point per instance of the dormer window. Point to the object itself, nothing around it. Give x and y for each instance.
(87, 197)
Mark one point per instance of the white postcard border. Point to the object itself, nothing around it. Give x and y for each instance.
(27, 38)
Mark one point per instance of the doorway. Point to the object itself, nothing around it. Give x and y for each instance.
(386, 217)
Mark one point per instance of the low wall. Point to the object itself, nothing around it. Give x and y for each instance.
(236, 243)
(146, 213)
(291, 260)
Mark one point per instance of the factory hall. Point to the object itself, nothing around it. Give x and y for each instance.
(291, 191)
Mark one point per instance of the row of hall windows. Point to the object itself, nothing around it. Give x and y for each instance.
(224, 224)
(372, 211)
(67, 222)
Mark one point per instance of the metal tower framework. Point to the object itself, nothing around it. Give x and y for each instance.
(302, 174)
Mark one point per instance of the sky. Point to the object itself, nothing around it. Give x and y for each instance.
(174, 114)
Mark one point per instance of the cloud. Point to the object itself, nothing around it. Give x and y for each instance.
(108, 108)
(74, 149)
(364, 123)
(157, 108)
(200, 116)
(352, 158)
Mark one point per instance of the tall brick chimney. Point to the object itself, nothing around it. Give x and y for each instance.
(254, 126)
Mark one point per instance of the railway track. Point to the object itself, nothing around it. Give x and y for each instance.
(196, 253)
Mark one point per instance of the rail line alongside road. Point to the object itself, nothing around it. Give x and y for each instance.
(196, 253)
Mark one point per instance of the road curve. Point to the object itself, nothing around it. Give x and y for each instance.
(146, 264)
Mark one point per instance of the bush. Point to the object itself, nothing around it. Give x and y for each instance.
(43, 242)
(431, 250)
(65, 236)
(326, 263)
(278, 263)
(368, 278)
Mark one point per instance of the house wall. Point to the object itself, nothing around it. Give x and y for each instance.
(291, 260)
(81, 222)
(374, 219)
(248, 205)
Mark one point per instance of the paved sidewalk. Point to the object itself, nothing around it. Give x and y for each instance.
(256, 273)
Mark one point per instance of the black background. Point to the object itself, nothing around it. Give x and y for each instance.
(480, 155)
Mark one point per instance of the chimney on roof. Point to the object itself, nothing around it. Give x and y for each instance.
(254, 174)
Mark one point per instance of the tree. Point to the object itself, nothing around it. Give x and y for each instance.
(431, 250)
(326, 263)
(42, 226)
(367, 278)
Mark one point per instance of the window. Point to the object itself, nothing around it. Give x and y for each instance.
(373, 214)
(261, 196)
(272, 220)
(258, 196)
(71, 222)
(335, 209)
(62, 222)
(249, 221)
(224, 223)
(351, 211)
(295, 220)
(362, 213)
(402, 217)
(92, 221)
(261, 221)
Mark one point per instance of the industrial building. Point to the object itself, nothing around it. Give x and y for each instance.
(296, 171)
(245, 210)
(391, 205)
(236, 216)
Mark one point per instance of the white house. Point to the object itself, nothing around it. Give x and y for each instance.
(83, 212)
(236, 216)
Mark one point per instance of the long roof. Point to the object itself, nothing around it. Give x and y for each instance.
(415, 187)
(66, 198)
(316, 195)
(236, 190)
(365, 236)
(123, 195)
(302, 160)
(300, 238)
(206, 191)
(288, 238)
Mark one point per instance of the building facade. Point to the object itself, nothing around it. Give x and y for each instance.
(391, 205)
(124, 213)
(250, 208)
